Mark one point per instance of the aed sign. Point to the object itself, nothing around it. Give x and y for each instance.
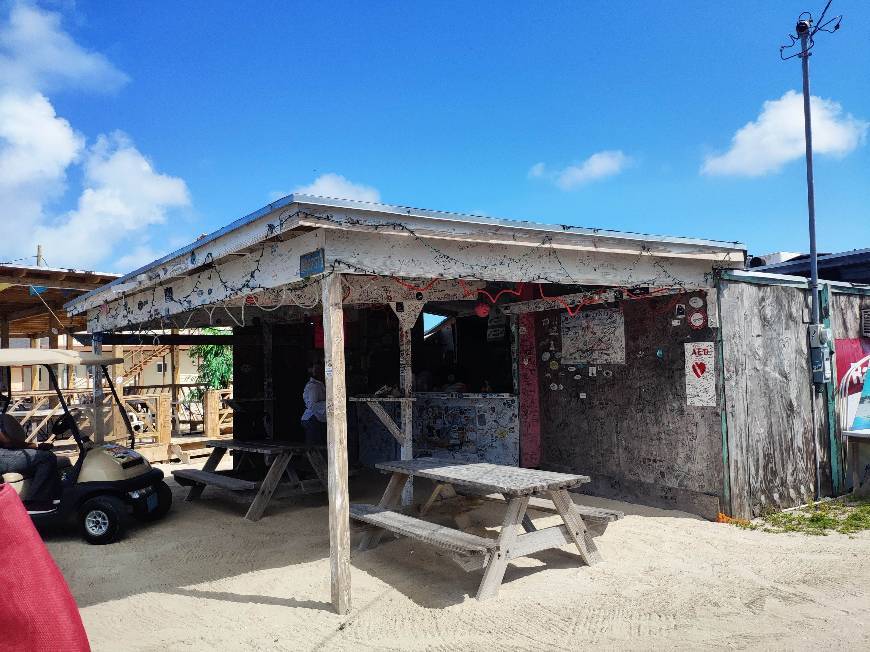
(700, 374)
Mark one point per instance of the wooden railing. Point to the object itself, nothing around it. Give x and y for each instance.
(187, 411)
(35, 410)
(150, 416)
(217, 415)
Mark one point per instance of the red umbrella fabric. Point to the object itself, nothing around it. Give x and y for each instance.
(37, 611)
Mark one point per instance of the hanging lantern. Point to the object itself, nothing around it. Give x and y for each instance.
(481, 310)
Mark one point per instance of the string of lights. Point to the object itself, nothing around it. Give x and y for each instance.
(124, 316)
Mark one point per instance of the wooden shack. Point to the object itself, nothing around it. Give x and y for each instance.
(652, 364)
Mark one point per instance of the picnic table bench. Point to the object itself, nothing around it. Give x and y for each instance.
(277, 456)
(514, 486)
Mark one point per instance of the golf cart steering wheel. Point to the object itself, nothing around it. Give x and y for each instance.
(62, 424)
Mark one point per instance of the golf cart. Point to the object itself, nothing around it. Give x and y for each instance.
(108, 482)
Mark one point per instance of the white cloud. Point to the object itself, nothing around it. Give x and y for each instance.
(36, 147)
(337, 187)
(138, 257)
(36, 54)
(776, 137)
(122, 195)
(537, 170)
(599, 166)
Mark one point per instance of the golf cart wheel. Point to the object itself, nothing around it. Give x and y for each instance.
(164, 502)
(102, 519)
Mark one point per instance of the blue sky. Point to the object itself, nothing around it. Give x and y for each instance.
(154, 122)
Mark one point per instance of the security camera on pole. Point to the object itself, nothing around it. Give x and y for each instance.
(819, 337)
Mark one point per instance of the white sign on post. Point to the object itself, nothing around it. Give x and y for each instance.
(700, 374)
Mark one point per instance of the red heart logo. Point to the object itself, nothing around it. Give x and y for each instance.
(699, 368)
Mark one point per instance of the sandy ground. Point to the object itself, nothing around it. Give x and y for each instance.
(206, 579)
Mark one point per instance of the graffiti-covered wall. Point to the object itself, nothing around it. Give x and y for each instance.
(481, 427)
(628, 395)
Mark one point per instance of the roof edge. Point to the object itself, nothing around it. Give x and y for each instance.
(390, 209)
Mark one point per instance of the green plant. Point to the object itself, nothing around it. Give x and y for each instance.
(214, 362)
(846, 516)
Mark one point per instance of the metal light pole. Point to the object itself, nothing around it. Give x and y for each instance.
(819, 337)
(803, 31)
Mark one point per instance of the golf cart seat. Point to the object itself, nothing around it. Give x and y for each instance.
(21, 482)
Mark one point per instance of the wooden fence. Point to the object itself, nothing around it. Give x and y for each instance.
(217, 414)
(149, 409)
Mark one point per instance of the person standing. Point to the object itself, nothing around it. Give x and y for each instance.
(314, 396)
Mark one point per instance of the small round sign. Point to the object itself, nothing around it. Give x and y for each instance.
(697, 320)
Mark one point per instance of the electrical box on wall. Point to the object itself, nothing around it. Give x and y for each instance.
(820, 353)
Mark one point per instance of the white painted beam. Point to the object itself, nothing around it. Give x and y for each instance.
(272, 265)
(399, 255)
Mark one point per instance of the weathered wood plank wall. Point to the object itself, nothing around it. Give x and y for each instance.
(768, 396)
(628, 425)
(846, 314)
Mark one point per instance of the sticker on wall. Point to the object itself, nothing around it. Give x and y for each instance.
(697, 320)
(696, 302)
(700, 374)
(554, 365)
(594, 337)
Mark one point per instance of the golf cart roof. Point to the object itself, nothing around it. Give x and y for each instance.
(26, 357)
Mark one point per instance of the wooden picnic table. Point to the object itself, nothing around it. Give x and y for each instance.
(515, 486)
(277, 456)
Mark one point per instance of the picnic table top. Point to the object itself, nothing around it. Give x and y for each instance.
(511, 480)
(261, 446)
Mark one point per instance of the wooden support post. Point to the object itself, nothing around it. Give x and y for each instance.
(119, 428)
(34, 369)
(406, 380)
(5, 374)
(99, 418)
(164, 419)
(407, 312)
(176, 375)
(70, 368)
(211, 403)
(53, 344)
(336, 442)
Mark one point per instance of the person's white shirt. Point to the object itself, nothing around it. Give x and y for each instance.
(314, 396)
